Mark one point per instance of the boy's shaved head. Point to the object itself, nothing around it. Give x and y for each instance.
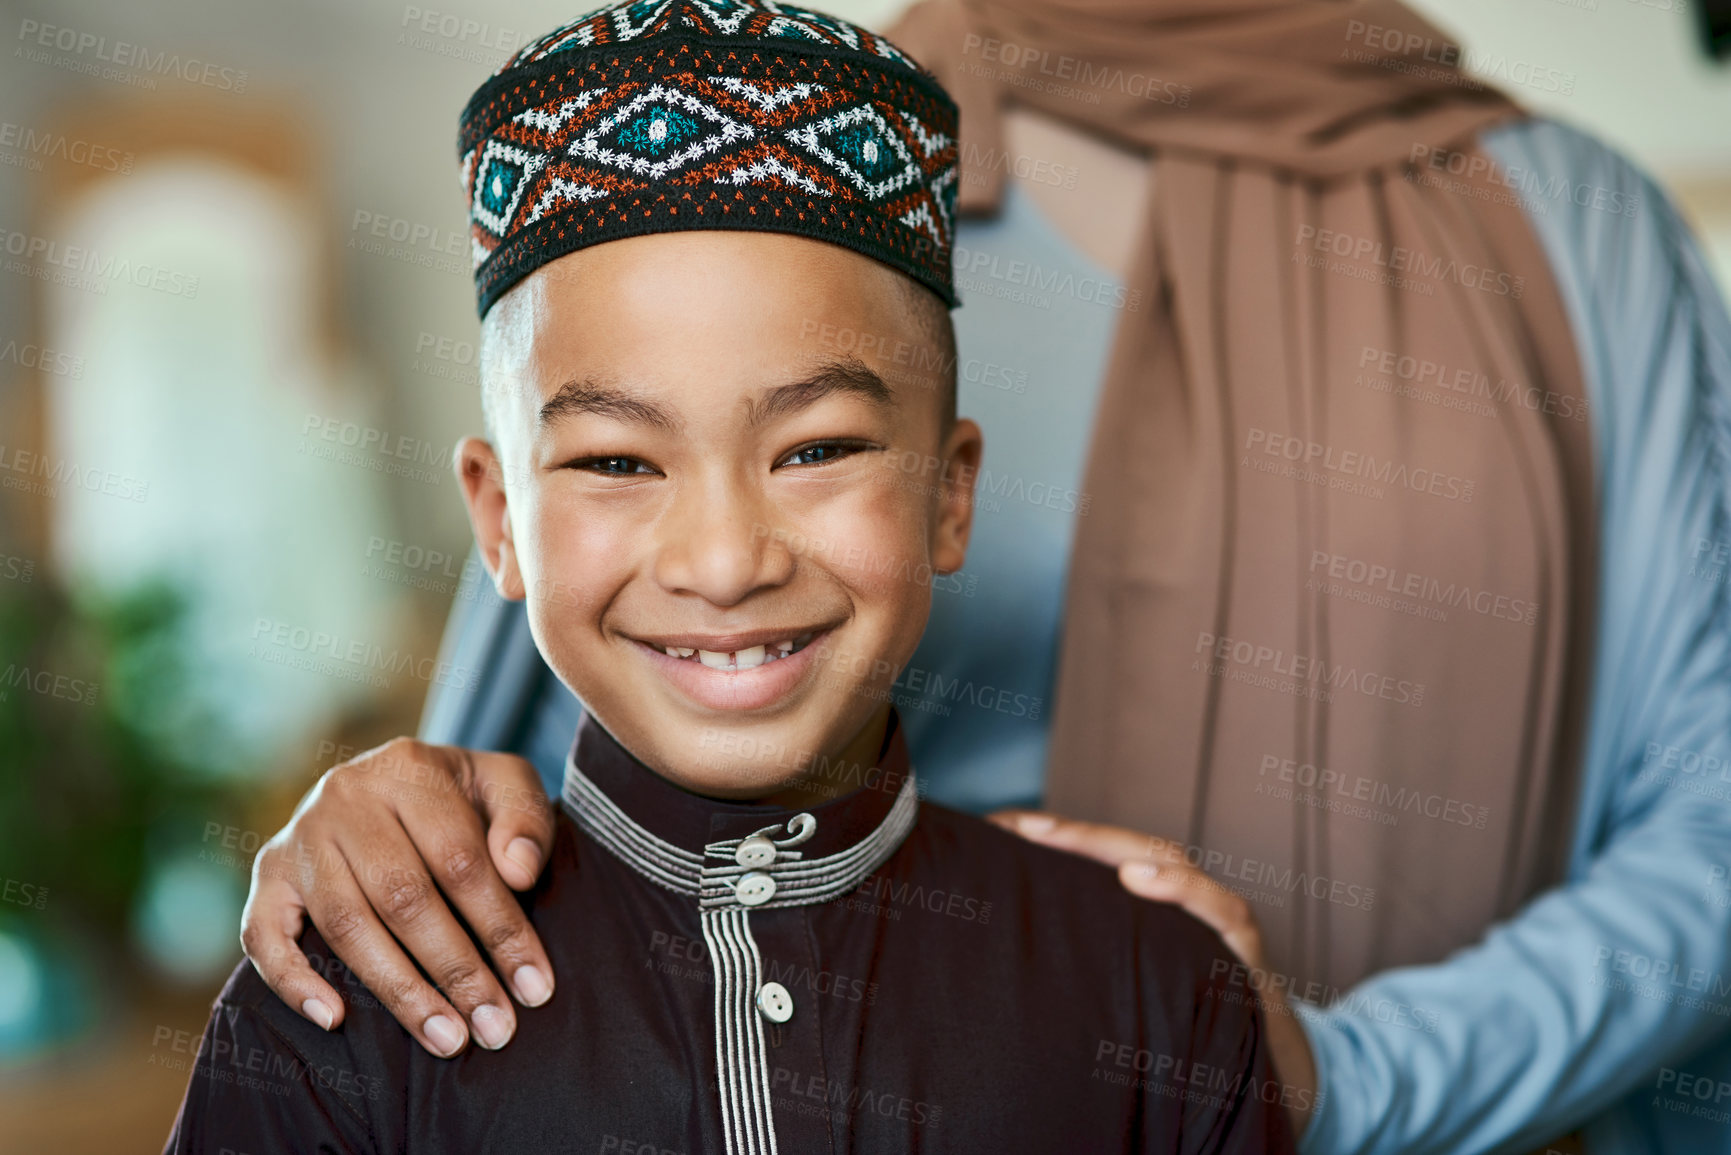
(926, 315)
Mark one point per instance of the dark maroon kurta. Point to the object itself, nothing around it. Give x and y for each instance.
(893, 977)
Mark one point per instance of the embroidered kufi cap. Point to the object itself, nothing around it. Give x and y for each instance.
(656, 116)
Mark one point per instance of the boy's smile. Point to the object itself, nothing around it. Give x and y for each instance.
(743, 670)
(705, 507)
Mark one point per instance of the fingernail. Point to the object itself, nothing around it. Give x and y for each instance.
(492, 1027)
(318, 1013)
(444, 1034)
(1142, 871)
(525, 854)
(532, 985)
(1036, 824)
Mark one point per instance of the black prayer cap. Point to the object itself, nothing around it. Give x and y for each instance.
(653, 116)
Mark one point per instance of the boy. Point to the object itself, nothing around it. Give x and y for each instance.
(714, 518)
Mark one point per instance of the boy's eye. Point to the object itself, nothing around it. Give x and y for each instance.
(822, 452)
(614, 466)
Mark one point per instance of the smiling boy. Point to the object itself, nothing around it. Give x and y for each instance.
(776, 946)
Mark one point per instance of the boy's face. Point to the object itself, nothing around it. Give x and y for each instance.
(689, 461)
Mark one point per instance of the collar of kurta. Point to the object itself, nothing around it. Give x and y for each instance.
(741, 855)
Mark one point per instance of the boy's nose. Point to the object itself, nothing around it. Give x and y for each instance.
(717, 543)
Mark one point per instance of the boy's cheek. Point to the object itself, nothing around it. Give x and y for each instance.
(572, 554)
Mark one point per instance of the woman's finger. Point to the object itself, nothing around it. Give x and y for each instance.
(270, 933)
(1203, 898)
(1108, 844)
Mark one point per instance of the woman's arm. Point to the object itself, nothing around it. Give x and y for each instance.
(1599, 987)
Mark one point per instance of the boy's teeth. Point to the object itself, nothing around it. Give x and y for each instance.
(747, 659)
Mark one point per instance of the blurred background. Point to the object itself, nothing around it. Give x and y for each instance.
(236, 346)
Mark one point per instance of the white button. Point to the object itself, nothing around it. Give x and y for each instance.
(755, 851)
(754, 889)
(775, 1003)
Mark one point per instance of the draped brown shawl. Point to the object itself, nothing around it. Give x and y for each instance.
(1329, 607)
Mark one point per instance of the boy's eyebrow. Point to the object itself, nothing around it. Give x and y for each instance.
(841, 375)
(583, 395)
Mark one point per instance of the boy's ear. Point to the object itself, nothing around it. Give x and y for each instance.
(961, 457)
(482, 477)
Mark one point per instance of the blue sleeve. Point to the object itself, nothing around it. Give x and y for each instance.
(1571, 1009)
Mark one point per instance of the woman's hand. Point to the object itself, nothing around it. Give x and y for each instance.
(377, 854)
(1155, 868)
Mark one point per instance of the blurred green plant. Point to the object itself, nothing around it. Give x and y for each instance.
(94, 769)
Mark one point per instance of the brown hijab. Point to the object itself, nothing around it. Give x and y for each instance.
(1328, 609)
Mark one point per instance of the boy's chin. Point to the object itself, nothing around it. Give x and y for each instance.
(743, 767)
(738, 783)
